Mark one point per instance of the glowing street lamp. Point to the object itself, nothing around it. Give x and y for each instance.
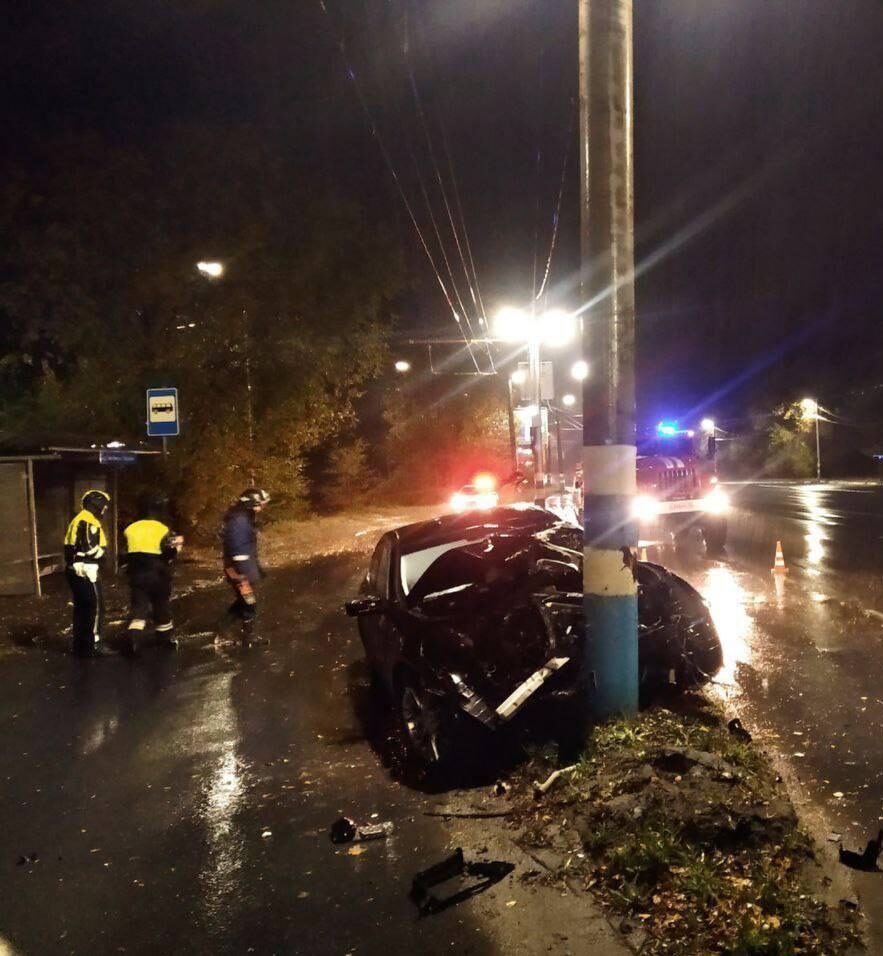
(579, 370)
(402, 366)
(568, 400)
(213, 270)
(810, 409)
(552, 328)
(708, 426)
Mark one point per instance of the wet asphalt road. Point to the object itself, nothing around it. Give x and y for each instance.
(180, 802)
(146, 787)
(804, 660)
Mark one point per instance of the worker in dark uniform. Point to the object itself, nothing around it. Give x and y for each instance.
(84, 546)
(242, 568)
(151, 547)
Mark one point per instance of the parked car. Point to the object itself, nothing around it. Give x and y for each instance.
(473, 615)
(479, 495)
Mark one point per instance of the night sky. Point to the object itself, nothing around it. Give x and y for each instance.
(759, 148)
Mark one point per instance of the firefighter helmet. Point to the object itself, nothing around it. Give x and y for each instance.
(96, 502)
(254, 498)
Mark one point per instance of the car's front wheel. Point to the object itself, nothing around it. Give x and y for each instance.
(422, 722)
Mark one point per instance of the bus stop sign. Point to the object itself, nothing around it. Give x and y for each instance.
(162, 412)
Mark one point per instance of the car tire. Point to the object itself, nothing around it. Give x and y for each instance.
(426, 729)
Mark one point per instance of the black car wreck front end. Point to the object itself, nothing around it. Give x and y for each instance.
(466, 625)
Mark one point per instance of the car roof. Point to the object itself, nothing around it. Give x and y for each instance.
(427, 534)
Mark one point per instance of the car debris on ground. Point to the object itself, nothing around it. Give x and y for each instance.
(345, 830)
(471, 879)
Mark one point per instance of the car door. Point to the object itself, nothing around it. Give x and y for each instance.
(374, 628)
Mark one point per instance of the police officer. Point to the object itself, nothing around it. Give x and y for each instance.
(151, 547)
(84, 546)
(242, 567)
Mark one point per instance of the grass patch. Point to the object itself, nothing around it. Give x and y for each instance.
(687, 832)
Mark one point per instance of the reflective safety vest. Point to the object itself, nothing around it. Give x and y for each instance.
(84, 540)
(147, 537)
(149, 547)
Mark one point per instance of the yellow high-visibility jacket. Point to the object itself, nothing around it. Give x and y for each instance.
(85, 540)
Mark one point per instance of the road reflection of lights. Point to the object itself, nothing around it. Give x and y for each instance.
(817, 519)
(223, 796)
(103, 729)
(780, 583)
(726, 599)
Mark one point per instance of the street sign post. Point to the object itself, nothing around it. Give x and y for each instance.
(162, 412)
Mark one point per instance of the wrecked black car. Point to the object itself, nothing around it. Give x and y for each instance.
(474, 615)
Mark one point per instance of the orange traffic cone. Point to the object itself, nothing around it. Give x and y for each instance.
(779, 566)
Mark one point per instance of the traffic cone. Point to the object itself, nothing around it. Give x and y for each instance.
(779, 566)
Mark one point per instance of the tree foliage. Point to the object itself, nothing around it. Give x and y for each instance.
(100, 298)
(436, 446)
(791, 453)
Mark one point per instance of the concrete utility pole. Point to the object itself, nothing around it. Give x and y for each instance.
(607, 245)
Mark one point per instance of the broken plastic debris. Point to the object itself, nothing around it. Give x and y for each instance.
(540, 788)
(345, 830)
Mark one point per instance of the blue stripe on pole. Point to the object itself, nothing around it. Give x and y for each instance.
(611, 660)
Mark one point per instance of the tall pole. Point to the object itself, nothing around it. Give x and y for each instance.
(818, 448)
(607, 247)
(562, 487)
(513, 447)
(535, 375)
(249, 401)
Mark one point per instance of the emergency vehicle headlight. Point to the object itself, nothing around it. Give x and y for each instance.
(485, 483)
(645, 508)
(717, 502)
(458, 502)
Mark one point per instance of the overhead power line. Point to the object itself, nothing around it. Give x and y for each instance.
(378, 138)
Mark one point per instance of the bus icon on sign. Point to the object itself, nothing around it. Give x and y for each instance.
(162, 412)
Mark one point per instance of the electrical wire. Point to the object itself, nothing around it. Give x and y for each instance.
(421, 115)
(375, 132)
(557, 216)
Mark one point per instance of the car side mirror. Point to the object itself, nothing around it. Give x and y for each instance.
(369, 604)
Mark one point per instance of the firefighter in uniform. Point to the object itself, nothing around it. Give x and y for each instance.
(151, 547)
(84, 546)
(242, 567)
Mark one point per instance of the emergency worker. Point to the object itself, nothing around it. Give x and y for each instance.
(84, 546)
(242, 568)
(151, 547)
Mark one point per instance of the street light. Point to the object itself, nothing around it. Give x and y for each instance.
(518, 377)
(568, 400)
(214, 270)
(402, 366)
(579, 370)
(810, 409)
(708, 426)
(552, 328)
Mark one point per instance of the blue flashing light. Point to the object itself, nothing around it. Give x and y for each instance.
(667, 428)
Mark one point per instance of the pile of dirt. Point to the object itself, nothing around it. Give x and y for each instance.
(686, 835)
